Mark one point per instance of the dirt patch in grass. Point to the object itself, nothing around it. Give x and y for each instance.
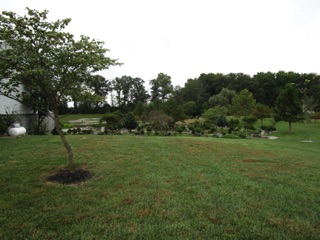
(127, 202)
(65, 176)
(249, 160)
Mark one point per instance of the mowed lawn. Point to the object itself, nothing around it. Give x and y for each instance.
(163, 187)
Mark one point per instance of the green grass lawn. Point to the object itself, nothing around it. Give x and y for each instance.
(163, 187)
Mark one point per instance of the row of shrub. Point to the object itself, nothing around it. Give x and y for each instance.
(74, 131)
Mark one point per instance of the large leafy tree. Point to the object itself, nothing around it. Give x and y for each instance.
(129, 91)
(267, 88)
(41, 57)
(243, 103)
(224, 98)
(138, 92)
(161, 88)
(288, 105)
(100, 87)
(240, 81)
(122, 86)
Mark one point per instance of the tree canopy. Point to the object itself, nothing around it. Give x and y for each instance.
(243, 103)
(289, 105)
(40, 56)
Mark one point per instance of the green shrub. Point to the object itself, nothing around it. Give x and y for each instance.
(54, 131)
(39, 128)
(212, 130)
(242, 135)
(249, 122)
(198, 131)
(233, 123)
(268, 128)
(179, 129)
(3, 126)
(149, 130)
(191, 128)
(89, 131)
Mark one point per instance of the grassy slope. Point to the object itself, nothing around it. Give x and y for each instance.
(163, 188)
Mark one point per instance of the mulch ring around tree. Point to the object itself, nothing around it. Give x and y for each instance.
(65, 176)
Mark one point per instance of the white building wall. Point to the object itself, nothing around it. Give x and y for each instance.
(12, 106)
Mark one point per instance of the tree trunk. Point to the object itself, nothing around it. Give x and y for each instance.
(290, 127)
(71, 164)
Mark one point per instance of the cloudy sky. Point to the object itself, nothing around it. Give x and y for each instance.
(184, 38)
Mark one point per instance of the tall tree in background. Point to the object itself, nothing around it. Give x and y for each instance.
(122, 87)
(267, 88)
(161, 88)
(100, 87)
(129, 91)
(43, 58)
(241, 81)
(288, 105)
(194, 90)
(138, 92)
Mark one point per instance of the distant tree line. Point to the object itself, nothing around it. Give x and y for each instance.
(128, 94)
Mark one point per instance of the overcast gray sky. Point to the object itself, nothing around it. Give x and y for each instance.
(184, 38)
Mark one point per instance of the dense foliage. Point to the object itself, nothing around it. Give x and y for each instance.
(199, 94)
(249, 98)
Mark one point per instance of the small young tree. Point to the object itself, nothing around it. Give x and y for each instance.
(249, 122)
(261, 112)
(288, 105)
(129, 122)
(222, 122)
(41, 57)
(139, 109)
